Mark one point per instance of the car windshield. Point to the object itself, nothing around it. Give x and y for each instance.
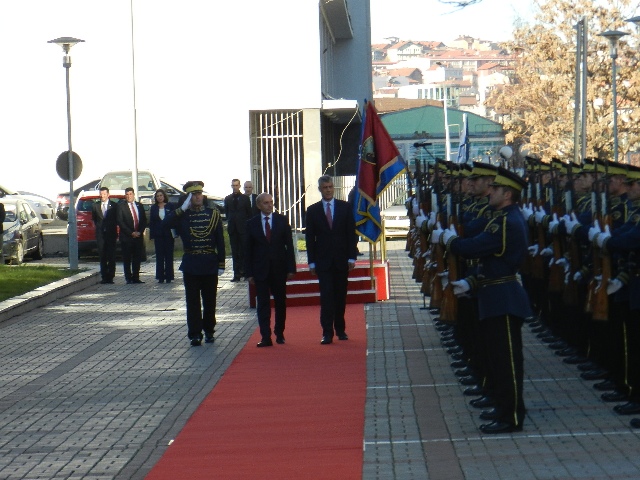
(85, 204)
(122, 180)
(10, 211)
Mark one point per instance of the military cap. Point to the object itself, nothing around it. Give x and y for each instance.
(193, 186)
(482, 169)
(506, 178)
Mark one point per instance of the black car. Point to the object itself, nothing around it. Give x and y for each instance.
(62, 200)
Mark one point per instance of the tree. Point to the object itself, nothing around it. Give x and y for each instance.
(538, 105)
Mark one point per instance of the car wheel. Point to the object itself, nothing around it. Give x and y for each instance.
(19, 255)
(39, 251)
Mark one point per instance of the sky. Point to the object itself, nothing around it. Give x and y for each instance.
(171, 133)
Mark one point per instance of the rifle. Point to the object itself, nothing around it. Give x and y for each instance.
(449, 307)
(436, 266)
(598, 299)
(537, 266)
(570, 294)
(556, 271)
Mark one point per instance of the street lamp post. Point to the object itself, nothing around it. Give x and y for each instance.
(66, 43)
(613, 36)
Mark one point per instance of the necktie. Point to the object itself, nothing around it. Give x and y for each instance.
(104, 209)
(135, 216)
(328, 213)
(267, 229)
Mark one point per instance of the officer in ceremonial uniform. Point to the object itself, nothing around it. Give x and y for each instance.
(200, 229)
(624, 244)
(502, 301)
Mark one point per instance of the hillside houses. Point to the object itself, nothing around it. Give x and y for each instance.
(463, 72)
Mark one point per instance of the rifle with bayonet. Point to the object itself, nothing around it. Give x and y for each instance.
(449, 307)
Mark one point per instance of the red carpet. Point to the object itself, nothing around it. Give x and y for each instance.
(293, 411)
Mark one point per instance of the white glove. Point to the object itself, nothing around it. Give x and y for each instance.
(563, 262)
(603, 236)
(415, 207)
(432, 220)
(420, 219)
(546, 252)
(220, 271)
(437, 232)
(187, 203)
(527, 211)
(577, 276)
(595, 230)
(444, 278)
(613, 286)
(448, 234)
(540, 214)
(533, 250)
(553, 224)
(460, 287)
(570, 222)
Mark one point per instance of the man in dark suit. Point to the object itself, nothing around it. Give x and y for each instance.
(104, 215)
(269, 262)
(132, 221)
(253, 198)
(331, 252)
(238, 210)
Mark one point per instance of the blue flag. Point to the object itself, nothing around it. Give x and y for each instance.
(463, 148)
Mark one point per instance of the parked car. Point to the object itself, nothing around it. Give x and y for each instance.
(148, 183)
(43, 206)
(22, 234)
(86, 229)
(396, 218)
(62, 200)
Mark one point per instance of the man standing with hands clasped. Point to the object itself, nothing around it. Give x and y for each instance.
(332, 249)
(200, 229)
(270, 262)
(104, 215)
(132, 222)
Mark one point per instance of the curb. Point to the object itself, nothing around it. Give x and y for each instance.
(47, 293)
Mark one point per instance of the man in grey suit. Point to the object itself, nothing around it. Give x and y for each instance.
(270, 262)
(332, 249)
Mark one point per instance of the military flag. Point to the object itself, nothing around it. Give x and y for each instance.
(379, 163)
(463, 148)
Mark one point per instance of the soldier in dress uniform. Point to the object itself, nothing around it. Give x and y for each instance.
(200, 229)
(503, 303)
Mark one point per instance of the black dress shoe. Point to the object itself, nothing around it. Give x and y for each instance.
(490, 415)
(129, 282)
(137, 281)
(575, 359)
(464, 372)
(598, 374)
(452, 350)
(160, 281)
(629, 408)
(280, 339)
(482, 402)
(458, 364)
(587, 366)
(475, 390)
(559, 345)
(468, 380)
(539, 329)
(235, 279)
(458, 356)
(209, 339)
(635, 422)
(615, 396)
(265, 343)
(605, 385)
(499, 427)
(196, 342)
(343, 336)
(548, 338)
(326, 341)
(449, 344)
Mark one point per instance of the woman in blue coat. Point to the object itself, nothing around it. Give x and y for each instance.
(162, 236)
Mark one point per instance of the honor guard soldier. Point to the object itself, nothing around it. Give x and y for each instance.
(503, 303)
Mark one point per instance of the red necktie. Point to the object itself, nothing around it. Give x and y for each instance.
(135, 216)
(267, 229)
(328, 213)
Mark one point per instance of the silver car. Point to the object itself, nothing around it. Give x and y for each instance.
(22, 233)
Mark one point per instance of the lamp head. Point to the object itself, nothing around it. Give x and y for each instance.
(635, 20)
(66, 42)
(613, 36)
